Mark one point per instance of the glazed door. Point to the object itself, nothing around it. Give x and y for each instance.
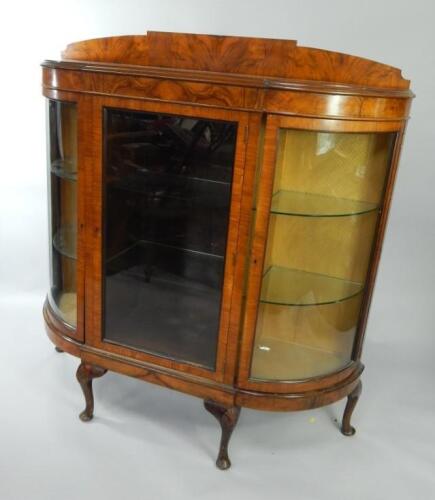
(316, 220)
(65, 182)
(171, 178)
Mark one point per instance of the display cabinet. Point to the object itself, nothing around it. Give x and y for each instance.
(217, 209)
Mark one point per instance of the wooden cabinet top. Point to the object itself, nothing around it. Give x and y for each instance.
(230, 60)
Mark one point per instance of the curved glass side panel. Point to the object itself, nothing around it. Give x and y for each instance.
(62, 186)
(327, 195)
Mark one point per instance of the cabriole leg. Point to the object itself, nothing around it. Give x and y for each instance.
(352, 400)
(227, 418)
(85, 374)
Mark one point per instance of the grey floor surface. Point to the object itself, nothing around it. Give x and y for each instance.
(148, 442)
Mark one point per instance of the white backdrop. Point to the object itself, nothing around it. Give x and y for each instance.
(145, 438)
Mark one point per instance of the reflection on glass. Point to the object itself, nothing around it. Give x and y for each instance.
(167, 198)
(62, 161)
(327, 194)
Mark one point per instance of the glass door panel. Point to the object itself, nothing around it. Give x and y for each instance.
(327, 194)
(62, 163)
(167, 201)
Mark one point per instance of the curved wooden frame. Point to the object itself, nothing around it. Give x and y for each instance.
(198, 386)
(259, 238)
(182, 88)
(263, 85)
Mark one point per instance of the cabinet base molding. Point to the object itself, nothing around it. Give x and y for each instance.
(223, 402)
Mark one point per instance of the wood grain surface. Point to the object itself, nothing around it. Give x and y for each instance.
(263, 85)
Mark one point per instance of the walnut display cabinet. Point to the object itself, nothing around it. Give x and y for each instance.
(217, 211)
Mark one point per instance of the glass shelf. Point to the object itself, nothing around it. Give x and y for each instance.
(176, 186)
(159, 247)
(65, 169)
(317, 205)
(211, 173)
(292, 287)
(64, 241)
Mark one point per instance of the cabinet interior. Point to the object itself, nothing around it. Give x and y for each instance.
(327, 194)
(167, 200)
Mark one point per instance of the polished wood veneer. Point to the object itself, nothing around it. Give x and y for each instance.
(262, 87)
